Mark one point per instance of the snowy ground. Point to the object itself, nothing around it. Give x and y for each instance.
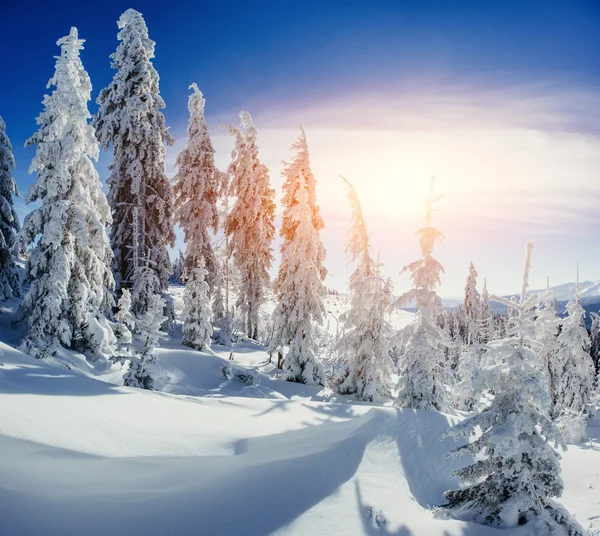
(81, 455)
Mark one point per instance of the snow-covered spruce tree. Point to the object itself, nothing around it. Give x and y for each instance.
(124, 321)
(472, 306)
(300, 164)
(250, 222)
(140, 194)
(424, 379)
(68, 267)
(10, 284)
(516, 472)
(546, 324)
(218, 300)
(572, 373)
(366, 367)
(149, 319)
(197, 327)
(299, 291)
(177, 277)
(486, 318)
(196, 191)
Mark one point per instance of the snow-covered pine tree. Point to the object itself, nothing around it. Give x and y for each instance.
(486, 318)
(366, 367)
(572, 372)
(294, 173)
(10, 284)
(68, 267)
(218, 300)
(516, 472)
(250, 222)
(196, 191)
(472, 306)
(424, 380)
(197, 327)
(546, 324)
(148, 313)
(124, 321)
(300, 291)
(177, 276)
(300, 164)
(140, 194)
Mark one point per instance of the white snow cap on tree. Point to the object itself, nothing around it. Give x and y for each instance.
(140, 194)
(424, 380)
(197, 327)
(196, 189)
(300, 293)
(250, 222)
(366, 367)
(9, 222)
(69, 265)
(516, 472)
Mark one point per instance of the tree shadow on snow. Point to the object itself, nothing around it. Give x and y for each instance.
(37, 380)
(424, 454)
(373, 522)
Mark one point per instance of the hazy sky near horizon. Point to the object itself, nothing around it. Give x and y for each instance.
(498, 100)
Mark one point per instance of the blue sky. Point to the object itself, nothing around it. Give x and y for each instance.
(499, 100)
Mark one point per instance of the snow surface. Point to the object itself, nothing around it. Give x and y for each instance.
(81, 455)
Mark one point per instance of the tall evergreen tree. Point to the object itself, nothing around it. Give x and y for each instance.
(197, 328)
(69, 265)
(516, 472)
(140, 194)
(300, 165)
(300, 293)
(250, 222)
(486, 318)
(572, 370)
(424, 380)
(472, 306)
(196, 191)
(364, 348)
(143, 370)
(9, 222)
(294, 173)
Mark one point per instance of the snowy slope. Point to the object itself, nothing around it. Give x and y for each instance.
(81, 455)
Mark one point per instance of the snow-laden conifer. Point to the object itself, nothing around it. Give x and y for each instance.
(197, 327)
(546, 324)
(472, 306)
(295, 173)
(140, 194)
(572, 371)
(300, 292)
(124, 321)
(196, 191)
(424, 380)
(486, 318)
(366, 366)
(9, 222)
(516, 472)
(250, 222)
(300, 165)
(148, 313)
(68, 267)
